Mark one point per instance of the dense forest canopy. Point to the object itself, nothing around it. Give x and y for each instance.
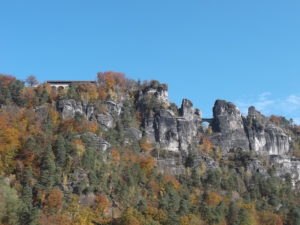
(71, 169)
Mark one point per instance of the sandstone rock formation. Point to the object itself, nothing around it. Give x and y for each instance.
(255, 132)
(69, 107)
(264, 137)
(229, 126)
(179, 131)
(174, 133)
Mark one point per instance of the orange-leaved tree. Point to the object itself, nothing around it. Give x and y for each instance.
(111, 79)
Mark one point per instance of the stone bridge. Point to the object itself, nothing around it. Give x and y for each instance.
(208, 120)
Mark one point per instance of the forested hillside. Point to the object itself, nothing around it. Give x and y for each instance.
(120, 153)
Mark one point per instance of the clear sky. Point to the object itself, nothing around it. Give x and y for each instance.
(243, 51)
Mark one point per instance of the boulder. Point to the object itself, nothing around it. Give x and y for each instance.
(97, 141)
(133, 133)
(106, 121)
(113, 108)
(67, 108)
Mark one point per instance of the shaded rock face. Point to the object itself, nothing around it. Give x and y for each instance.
(227, 117)
(162, 129)
(166, 130)
(113, 108)
(69, 107)
(134, 133)
(187, 111)
(187, 124)
(42, 112)
(106, 121)
(171, 165)
(252, 133)
(229, 126)
(98, 142)
(77, 177)
(255, 166)
(264, 137)
(159, 91)
(173, 133)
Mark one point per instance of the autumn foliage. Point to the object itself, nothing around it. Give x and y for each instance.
(147, 164)
(111, 79)
(213, 199)
(146, 145)
(169, 178)
(75, 171)
(54, 200)
(6, 80)
(115, 156)
(206, 145)
(275, 119)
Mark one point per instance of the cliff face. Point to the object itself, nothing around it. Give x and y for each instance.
(228, 125)
(264, 137)
(180, 131)
(171, 132)
(254, 132)
(69, 108)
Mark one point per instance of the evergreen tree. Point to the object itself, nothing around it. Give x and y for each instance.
(171, 200)
(60, 151)
(5, 96)
(244, 217)
(29, 213)
(10, 205)
(16, 91)
(294, 216)
(233, 214)
(48, 169)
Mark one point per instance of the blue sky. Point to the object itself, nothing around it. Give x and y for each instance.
(247, 52)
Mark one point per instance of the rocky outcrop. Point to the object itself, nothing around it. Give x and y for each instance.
(228, 126)
(256, 166)
(179, 131)
(96, 141)
(171, 165)
(187, 125)
(255, 132)
(187, 111)
(265, 137)
(132, 135)
(42, 112)
(286, 166)
(69, 107)
(113, 108)
(173, 133)
(166, 130)
(162, 129)
(106, 121)
(159, 91)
